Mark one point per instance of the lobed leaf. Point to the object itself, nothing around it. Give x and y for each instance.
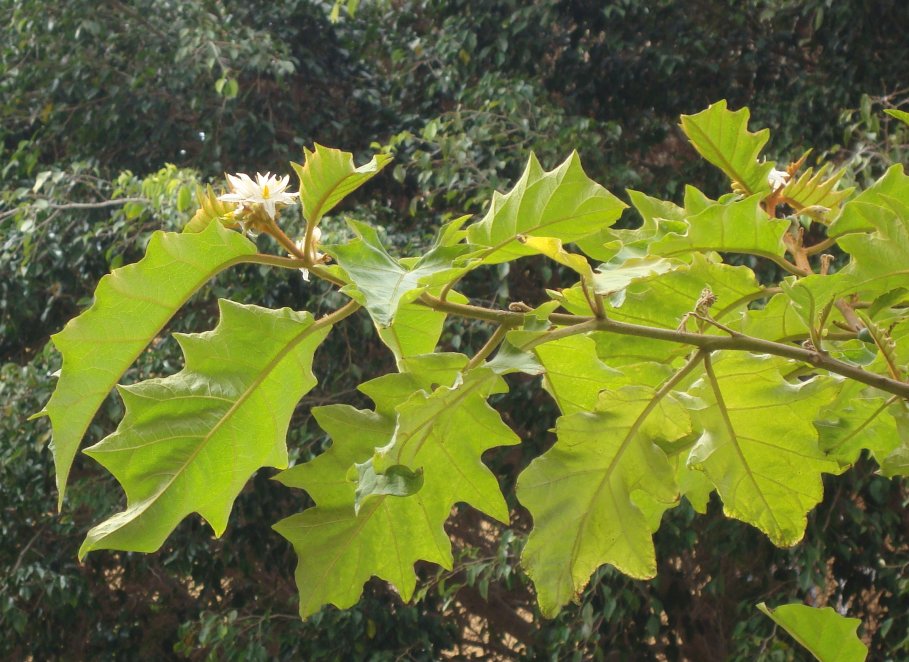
(339, 549)
(382, 283)
(722, 137)
(328, 175)
(582, 493)
(758, 446)
(563, 204)
(738, 227)
(189, 442)
(132, 304)
(828, 636)
(429, 419)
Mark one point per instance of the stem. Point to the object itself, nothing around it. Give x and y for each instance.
(591, 303)
(820, 246)
(494, 341)
(278, 234)
(346, 310)
(493, 315)
(274, 261)
(443, 295)
(562, 332)
(749, 343)
(577, 324)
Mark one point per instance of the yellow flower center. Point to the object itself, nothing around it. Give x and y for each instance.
(265, 191)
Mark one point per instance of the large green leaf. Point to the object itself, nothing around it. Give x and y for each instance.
(189, 442)
(446, 431)
(738, 227)
(874, 229)
(563, 203)
(382, 283)
(329, 175)
(338, 549)
(758, 445)
(722, 137)
(131, 306)
(429, 418)
(585, 493)
(880, 260)
(828, 636)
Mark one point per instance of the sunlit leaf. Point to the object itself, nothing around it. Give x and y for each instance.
(564, 204)
(131, 306)
(329, 175)
(758, 446)
(382, 283)
(440, 431)
(582, 492)
(722, 137)
(828, 636)
(190, 442)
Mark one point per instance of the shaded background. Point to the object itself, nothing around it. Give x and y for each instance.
(141, 99)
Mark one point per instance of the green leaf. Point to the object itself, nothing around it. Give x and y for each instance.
(584, 493)
(328, 175)
(338, 549)
(131, 306)
(564, 204)
(189, 442)
(758, 446)
(828, 636)
(722, 137)
(443, 431)
(415, 329)
(778, 321)
(880, 260)
(659, 217)
(901, 115)
(857, 420)
(874, 208)
(446, 431)
(380, 282)
(738, 227)
(574, 374)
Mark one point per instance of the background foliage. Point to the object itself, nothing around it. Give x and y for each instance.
(143, 98)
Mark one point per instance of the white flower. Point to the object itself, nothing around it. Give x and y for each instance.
(777, 179)
(267, 191)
